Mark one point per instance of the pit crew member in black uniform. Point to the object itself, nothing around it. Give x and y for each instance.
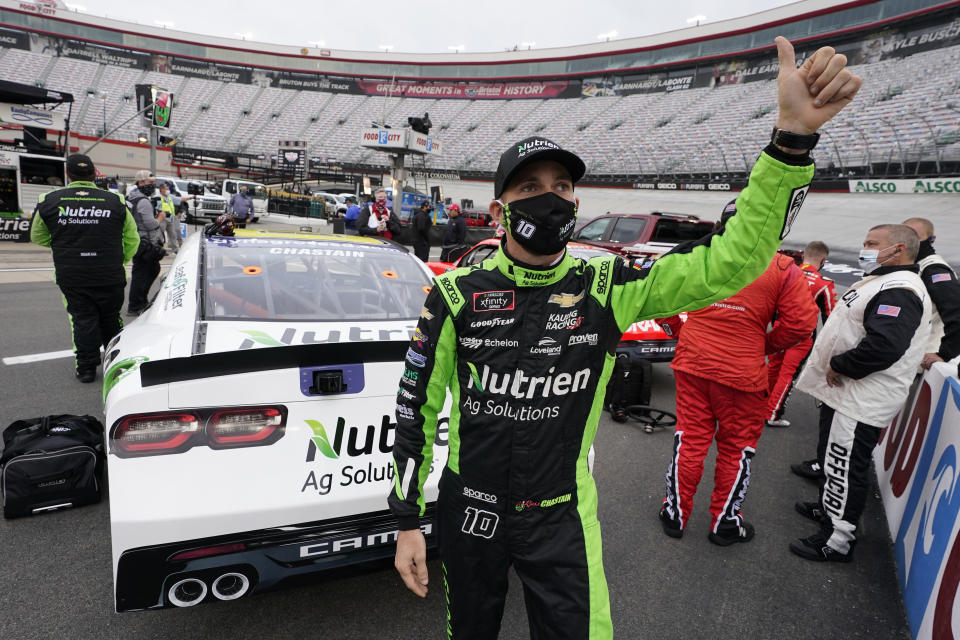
(92, 235)
(941, 282)
(525, 342)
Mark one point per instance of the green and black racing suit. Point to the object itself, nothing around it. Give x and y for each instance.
(526, 354)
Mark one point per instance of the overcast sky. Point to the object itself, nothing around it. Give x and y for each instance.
(421, 26)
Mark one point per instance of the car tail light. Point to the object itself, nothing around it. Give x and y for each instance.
(239, 427)
(156, 433)
(209, 551)
(217, 428)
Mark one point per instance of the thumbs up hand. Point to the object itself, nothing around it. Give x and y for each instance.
(809, 96)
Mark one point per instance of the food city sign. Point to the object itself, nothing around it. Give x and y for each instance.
(918, 471)
(936, 185)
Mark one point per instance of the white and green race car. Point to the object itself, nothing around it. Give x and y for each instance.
(250, 415)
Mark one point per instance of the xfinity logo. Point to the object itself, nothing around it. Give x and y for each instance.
(520, 385)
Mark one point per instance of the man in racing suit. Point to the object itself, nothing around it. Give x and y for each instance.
(861, 368)
(941, 282)
(722, 392)
(92, 235)
(525, 343)
(783, 366)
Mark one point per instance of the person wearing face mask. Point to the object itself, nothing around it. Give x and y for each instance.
(526, 342)
(944, 289)
(146, 262)
(861, 368)
(783, 366)
(376, 219)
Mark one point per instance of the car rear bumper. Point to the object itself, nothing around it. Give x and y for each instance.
(252, 561)
(652, 350)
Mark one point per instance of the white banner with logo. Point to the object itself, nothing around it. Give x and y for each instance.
(919, 185)
(31, 116)
(918, 471)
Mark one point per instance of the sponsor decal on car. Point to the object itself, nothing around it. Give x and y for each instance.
(176, 287)
(493, 301)
(294, 335)
(350, 443)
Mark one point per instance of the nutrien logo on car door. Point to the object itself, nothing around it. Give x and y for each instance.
(493, 301)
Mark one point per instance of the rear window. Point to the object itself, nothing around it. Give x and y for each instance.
(675, 231)
(275, 279)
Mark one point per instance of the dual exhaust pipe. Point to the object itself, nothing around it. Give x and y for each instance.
(190, 591)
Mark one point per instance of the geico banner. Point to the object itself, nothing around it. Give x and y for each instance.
(686, 186)
(919, 477)
(31, 116)
(927, 185)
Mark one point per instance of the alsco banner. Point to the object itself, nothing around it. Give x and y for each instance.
(919, 185)
(469, 90)
(918, 472)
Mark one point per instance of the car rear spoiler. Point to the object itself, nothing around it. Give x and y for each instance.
(209, 365)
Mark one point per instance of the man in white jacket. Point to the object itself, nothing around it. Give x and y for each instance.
(860, 368)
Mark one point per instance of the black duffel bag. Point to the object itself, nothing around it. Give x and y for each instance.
(51, 463)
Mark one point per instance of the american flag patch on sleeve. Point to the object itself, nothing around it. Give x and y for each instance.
(888, 310)
(939, 277)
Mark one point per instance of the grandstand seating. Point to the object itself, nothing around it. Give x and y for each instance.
(908, 111)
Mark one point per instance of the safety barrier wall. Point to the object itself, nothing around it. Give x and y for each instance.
(919, 476)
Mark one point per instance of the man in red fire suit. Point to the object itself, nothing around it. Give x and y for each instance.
(722, 392)
(783, 366)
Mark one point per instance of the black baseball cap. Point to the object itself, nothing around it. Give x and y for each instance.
(80, 166)
(534, 149)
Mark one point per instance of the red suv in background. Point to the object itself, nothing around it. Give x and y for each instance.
(642, 235)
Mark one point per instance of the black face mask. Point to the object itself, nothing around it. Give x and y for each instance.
(147, 189)
(926, 248)
(542, 224)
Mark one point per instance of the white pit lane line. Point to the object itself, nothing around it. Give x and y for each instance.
(38, 357)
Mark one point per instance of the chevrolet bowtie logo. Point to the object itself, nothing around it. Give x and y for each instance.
(565, 299)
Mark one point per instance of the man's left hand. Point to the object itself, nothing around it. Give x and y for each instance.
(810, 96)
(834, 379)
(929, 359)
